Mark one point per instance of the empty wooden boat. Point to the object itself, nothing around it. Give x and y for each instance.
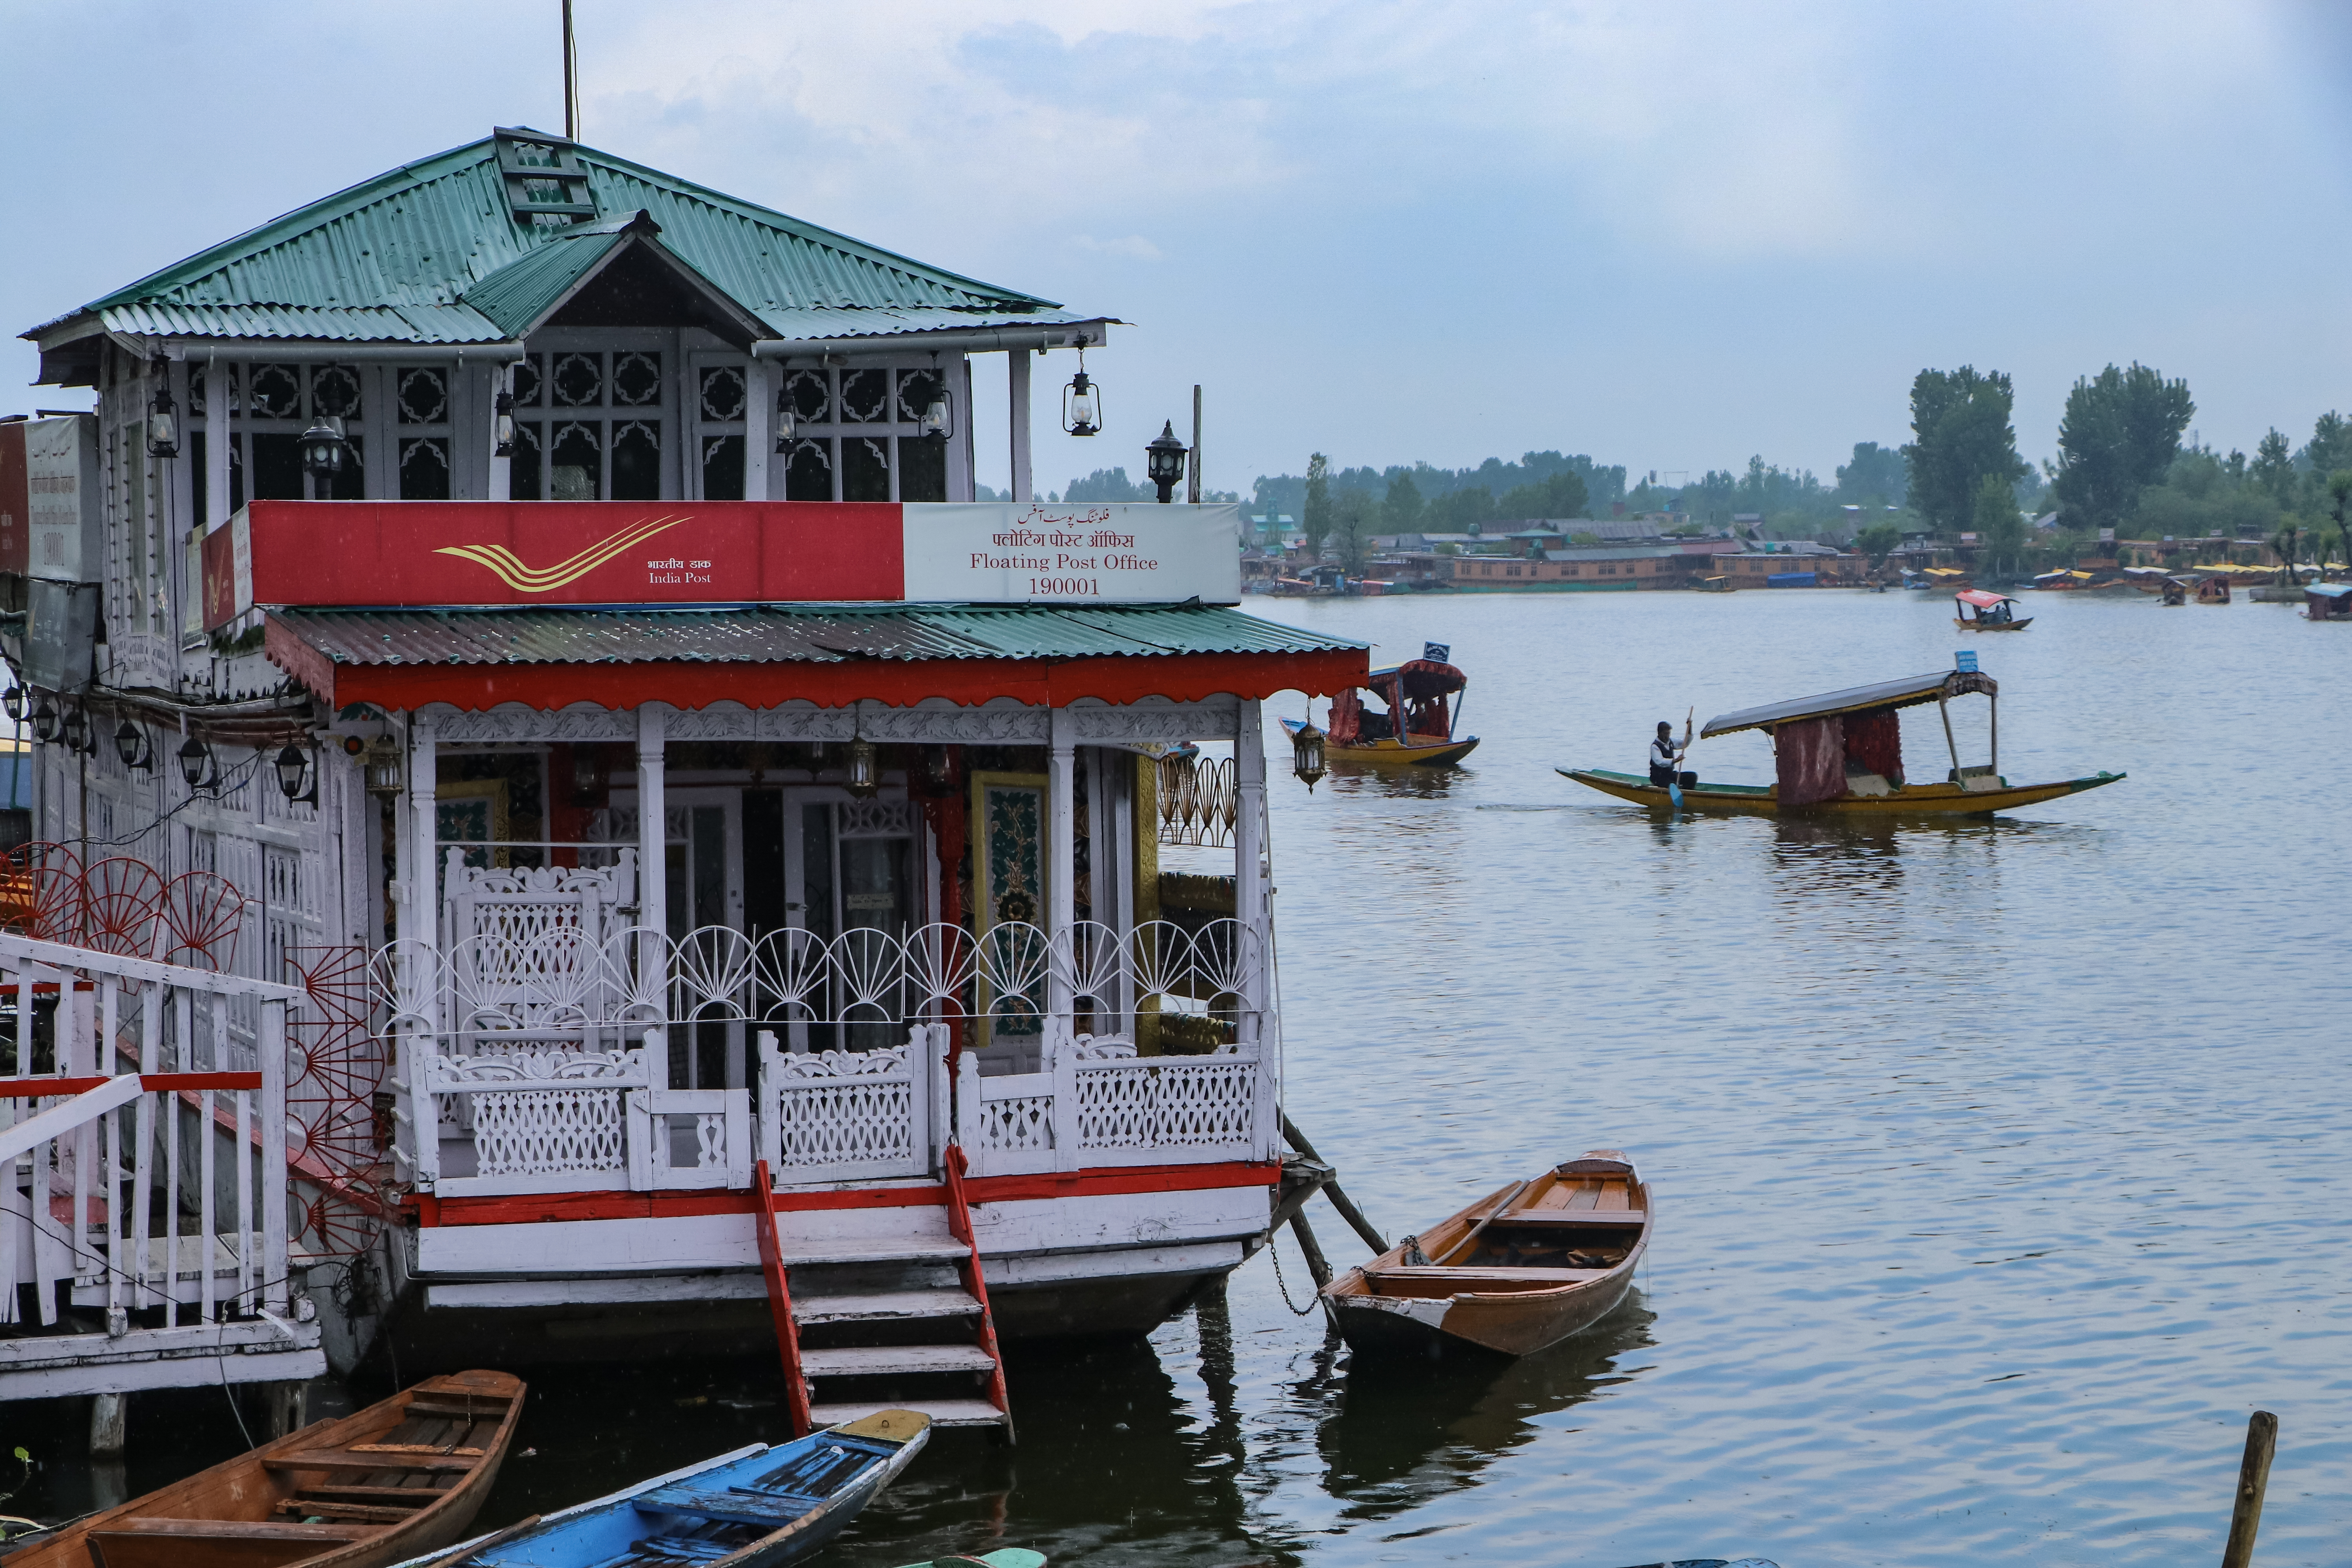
(1521, 1269)
(754, 1508)
(402, 1477)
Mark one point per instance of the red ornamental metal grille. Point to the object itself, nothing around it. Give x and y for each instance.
(332, 1077)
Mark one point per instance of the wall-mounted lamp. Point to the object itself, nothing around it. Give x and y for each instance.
(163, 419)
(502, 425)
(197, 765)
(323, 449)
(1163, 462)
(45, 721)
(131, 745)
(295, 771)
(75, 730)
(12, 703)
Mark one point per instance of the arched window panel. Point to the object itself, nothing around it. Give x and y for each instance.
(722, 468)
(575, 461)
(865, 467)
(425, 469)
(808, 471)
(636, 460)
(525, 477)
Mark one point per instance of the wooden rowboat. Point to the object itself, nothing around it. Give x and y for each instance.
(1980, 797)
(1522, 1269)
(757, 1507)
(402, 1477)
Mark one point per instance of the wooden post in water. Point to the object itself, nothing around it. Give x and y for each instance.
(1318, 1266)
(2253, 1478)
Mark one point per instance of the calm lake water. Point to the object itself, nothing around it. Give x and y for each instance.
(2002, 1168)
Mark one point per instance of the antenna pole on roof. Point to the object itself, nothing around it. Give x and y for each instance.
(571, 80)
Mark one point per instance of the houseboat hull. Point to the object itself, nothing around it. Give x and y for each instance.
(1915, 800)
(1968, 626)
(1394, 754)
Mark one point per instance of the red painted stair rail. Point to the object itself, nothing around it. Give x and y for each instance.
(960, 1227)
(780, 1301)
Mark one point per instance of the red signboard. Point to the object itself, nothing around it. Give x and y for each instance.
(15, 499)
(384, 553)
(564, 553)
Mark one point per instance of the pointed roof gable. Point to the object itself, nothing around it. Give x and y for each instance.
(435, 253)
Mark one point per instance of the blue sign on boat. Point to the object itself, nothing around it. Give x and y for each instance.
(1964, 660)
(1436, 652)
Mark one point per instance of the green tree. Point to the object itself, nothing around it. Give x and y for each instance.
(2120, 433)
(1465, 510)
(1878, 541)
(2330, 448)
(1315, 517)
(2284, 542)
(2339, 495)
(1561, 496)
(2274, 465)
(1960, 432)
(1999, 526)
(1355, 518)
(1402, 512)
(1876, 474)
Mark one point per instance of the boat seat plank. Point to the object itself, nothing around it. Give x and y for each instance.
(369, 1513)
(1584, 1197)
(1471, 1278)
(342, 1460)
(337, 1491)
(1571, 1219)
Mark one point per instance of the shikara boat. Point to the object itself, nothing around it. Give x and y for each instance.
(399, 1477)
(1982, 611)
(755, 1508)
(1521, 1269)
(1417, 727)
(1841, 754)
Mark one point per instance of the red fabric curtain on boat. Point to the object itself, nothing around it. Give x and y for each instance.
(1347, 709)
(1874, 742)
(1812, 757)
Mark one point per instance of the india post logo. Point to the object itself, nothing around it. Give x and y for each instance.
(509, 568)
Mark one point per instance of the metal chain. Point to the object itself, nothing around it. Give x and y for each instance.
(1273, 1248)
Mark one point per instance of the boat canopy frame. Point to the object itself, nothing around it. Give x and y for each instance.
(1940, 688)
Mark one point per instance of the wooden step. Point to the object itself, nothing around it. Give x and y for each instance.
(942, 1412)
(884, 1361)
(886, 1306)
(875, 1249)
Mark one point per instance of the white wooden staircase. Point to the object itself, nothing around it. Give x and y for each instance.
(868, 1325)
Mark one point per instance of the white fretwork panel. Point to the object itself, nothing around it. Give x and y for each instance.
(845, 1115)
(1194, 1105)
(552, 1120)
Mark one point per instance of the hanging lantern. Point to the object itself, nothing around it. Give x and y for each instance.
(937, 421)
(502, 426)
(45, 721)
(131, 745)
(163, 419)
(864, 769)
(383, 768)
(587, 775)
(76, 729)
(1163, 462)
(196, 763)
(785, 414)
(938, 770)
(1306, 755)
(293, 768)
(1082, 401)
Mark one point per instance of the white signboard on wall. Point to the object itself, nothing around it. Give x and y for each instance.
(1132, 553)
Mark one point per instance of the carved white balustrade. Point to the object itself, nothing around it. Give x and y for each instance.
(532, 1061)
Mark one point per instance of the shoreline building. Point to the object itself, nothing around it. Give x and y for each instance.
(539, 746)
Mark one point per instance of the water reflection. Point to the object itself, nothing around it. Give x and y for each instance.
(1396, 783)
(1407, 1431)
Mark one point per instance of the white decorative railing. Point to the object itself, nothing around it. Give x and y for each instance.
(135, 1161)
(532, 1066)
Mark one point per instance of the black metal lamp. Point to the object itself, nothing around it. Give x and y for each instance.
(163, 418)
(1163, 462)
(75, 730)
(1082, 400)
(323, 448)
(45, 721)
(383, 768)
(294, 771)
(1306, 755)
(131, 745)
(13, 701)
(502, 425)
(196, 765)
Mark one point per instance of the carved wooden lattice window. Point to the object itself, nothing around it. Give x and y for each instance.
(858, 435)
(589, 425)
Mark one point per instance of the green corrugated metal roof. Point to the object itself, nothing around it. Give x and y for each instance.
(519, 293)
(795, 634)
(399, 258)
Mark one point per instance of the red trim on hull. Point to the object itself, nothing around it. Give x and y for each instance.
(539, 1209)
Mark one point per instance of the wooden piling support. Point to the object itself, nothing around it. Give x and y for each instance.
(2253, 1479)
(1318, 1266)
(1340, 1200)
(110, 1421)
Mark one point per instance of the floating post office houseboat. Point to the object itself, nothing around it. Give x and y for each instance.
(573, 789)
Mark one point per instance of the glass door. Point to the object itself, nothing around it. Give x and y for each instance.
(703, 876)
(853, 871)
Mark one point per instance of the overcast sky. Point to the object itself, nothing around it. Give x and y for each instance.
(1669, 236)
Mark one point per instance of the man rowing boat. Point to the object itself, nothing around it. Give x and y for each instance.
(1665, 756)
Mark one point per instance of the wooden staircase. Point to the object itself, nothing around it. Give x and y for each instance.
(869, 1325)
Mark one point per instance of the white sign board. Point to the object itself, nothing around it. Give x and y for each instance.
(1130, 552)
(61, 473)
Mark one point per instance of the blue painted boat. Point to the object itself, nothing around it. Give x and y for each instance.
(756, 1508)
